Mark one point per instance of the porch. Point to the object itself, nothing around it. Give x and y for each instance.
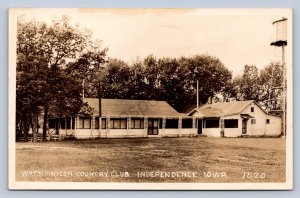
(119, 127)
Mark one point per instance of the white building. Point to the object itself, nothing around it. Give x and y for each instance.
(119, 118)
(235, 119)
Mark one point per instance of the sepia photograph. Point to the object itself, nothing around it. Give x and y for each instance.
(150, 99)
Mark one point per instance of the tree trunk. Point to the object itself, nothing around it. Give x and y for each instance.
(34, 127)
(45, 124)
(25, 127)
(58, 126)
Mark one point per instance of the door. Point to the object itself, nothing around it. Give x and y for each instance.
(199, 127)
(244, 126)
(153, 126)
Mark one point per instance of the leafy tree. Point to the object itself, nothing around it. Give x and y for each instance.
(270, 81)
(247, 85)
(214, 78)
(31, 71)
(114, 79)
(152, 75)
(137, 86)
(46, 57)
(169, 79)
(171, 82)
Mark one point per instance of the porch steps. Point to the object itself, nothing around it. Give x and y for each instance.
(246, 136)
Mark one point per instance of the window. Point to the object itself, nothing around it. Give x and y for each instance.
(103, 123)
(68, 119)
(231, 123)
(87, 123)
(137, 123)
(73, 122)
(160, 121)
(124, 124)
(253, 121)
(187, 123)
(118, 123)
(96, 122)
(267, 121)
(252, 109)
(212, 123)
(171, 123)
(84, 123)
(80, 123)
(62, 123)
(52, 123)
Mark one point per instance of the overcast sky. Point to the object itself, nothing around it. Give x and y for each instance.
(236, 37)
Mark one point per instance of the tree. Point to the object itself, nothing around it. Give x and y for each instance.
(114, 79)
(270, 81)
(46, 55)
(31, 72)
(171, 82)
(247, 85)
(169, 79)
(152, 76)
(174, 80)
(214, 78)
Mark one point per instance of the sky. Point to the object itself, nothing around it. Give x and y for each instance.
(237, 37)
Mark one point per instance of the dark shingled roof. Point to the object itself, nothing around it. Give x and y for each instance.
(133, 108)
(224, 108)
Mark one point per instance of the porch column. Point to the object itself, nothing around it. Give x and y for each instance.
(145, 122)
(221, 125)
(77, 122)
(100, 126)
(93, 122)
(93, 126)
(164, 125)
(71, 123)
(146, 126)
(180, 126)
(164, 122)
(108, 122)
(194, 123)
(128, 124)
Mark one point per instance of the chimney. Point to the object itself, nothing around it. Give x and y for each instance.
(99, 93)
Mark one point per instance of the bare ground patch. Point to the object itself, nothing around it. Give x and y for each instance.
(234, 156)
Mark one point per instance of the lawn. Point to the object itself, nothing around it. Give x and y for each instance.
(153, 160)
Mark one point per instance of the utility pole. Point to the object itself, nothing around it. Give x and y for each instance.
(99, 97)
(197, 94)
(82, 89)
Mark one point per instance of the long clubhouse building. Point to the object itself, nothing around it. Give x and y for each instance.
(118, 118)
(121, 118)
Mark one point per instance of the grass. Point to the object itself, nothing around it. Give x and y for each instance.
(234, 156)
